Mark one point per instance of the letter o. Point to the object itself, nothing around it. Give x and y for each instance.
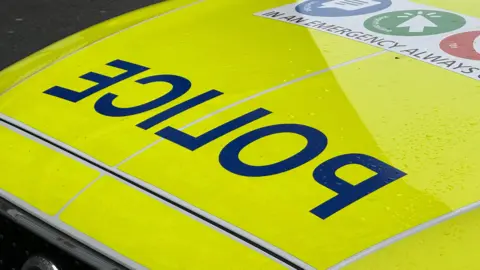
(229, 156)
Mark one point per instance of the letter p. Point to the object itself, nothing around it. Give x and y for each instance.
(324, 174)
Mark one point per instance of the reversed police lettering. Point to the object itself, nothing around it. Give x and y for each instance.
(180, 86)
(179, 108)
(101, 80)
(193, 143)
(325, 175)
(229, 156)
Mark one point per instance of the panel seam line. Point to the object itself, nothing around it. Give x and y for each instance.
(72, 232)
(71, 200)
(164, 196)
(405, 234)
(160, 195)
(261, 93)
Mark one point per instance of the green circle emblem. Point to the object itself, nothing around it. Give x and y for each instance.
(414, 23)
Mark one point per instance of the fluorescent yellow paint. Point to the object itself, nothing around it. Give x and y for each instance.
(425, 119)
(414, 116)
(154, 234)
(73, 43)
(467, 7)
(449, 245)
(39, 175)
(227, 56)
(276, 208)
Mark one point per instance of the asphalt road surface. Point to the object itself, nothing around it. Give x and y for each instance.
(27, 26)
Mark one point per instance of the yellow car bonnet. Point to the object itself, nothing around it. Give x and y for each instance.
(256, 135)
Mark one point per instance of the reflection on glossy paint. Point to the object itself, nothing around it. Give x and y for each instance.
(407, 114)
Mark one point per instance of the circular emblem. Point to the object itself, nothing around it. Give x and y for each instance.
(341, 8)
(464, 45)
(414, 23)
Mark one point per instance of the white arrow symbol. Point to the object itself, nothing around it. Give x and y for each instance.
(417, 24)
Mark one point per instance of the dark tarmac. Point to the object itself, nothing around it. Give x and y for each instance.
(27, 26)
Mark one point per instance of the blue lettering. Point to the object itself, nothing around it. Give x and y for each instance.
(179, 108)
(193, 143)
(101, 80)
(180, 86)
(229, 156)
(324, 174)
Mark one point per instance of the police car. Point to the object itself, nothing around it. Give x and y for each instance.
(317, 134)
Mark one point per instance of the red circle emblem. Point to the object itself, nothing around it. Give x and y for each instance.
(464, 45)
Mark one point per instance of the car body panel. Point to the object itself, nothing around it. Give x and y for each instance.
(153, 233)
(447, 245)
(416, 118)
(39, 175)
(280, 205)
(97, 135)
